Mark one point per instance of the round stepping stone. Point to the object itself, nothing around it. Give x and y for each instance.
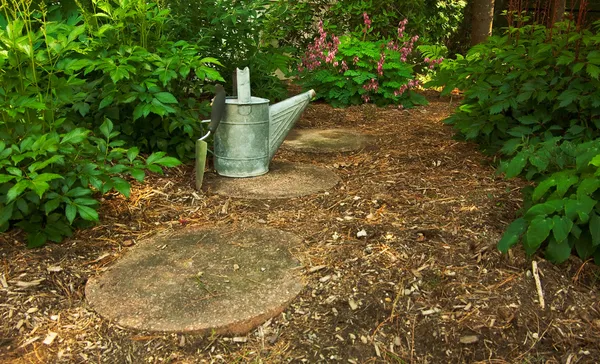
(200, 280)
(325, 140)
(284, 180)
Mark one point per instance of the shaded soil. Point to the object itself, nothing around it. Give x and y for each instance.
(400, 264)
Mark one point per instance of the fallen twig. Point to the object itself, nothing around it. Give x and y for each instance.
(538, 284)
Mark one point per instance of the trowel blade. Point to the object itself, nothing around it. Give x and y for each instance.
(201, 149)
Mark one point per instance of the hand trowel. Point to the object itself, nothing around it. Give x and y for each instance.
(216, 114)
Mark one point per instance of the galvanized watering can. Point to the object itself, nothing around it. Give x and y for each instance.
(251, 131)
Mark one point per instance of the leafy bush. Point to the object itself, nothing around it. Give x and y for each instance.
(436, 20)
(234, 32)
(62, 84)
(533, 96)
(350, 70)
(527, 86)
(565, 215)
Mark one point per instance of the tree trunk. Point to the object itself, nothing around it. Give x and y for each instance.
(558, 11)
(483, 17)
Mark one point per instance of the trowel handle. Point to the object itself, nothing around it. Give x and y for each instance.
(218, 108)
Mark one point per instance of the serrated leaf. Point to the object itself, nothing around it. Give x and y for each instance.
(512, 234)
(138, 174)
(561, 228)
(165, 97)
(5, 178)
(593, 70)
(538, 231)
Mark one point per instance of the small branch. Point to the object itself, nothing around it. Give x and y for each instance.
(538, 284)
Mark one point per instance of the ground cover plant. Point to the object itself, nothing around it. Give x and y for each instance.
(532, 96)
(81, 99)
(361, 67)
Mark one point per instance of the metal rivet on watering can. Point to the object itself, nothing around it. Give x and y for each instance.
(251, 131)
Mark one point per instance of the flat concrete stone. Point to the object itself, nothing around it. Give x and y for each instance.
(326, 140)
(284, 180)
(200, 280)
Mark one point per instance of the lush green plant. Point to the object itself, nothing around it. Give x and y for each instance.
(436, 20)
(527, 86)
(149, 86)
(234, 32)
(565, 212)
(533, 96)
(56, 78)
(350, 70)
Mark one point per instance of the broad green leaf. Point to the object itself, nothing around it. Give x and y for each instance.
(78, 192)
(561, 228)
(595, 161)
(16, 190)
(138, 174)
(168, 162)
(45, 177)
(5, 178)
(75, 136)
(106, 128)
(165, 97)
(594, 224)
(584, 246)
(132, 153)
(51, 205)
(512, 234)
(516, 165)
(588, 186)
(593, 70)
(6, 213)
(105, 102)
(564, 182)
(542, 210)
(122, 186)
(39, 187)
(87, 213)
(36, 239)
(538, 231)
(154, 157)
(86, 201)
(558, 252)
(542, 188)
(71, 212)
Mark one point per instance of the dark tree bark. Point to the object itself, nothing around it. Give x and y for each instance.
(558, 11)
(482, 20)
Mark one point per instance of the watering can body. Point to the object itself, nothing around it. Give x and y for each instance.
(251, 131)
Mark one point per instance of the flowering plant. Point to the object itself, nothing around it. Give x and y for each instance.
(351, 69)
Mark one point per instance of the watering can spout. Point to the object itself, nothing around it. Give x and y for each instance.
(283, 116)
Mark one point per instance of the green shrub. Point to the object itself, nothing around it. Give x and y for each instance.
(351, 70)
(62, 84)
(533, 97)
(234, 32)
(527, 86)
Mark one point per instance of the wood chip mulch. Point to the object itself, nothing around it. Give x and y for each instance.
(400, 264)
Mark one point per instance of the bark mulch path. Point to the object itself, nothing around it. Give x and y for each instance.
(400, 264)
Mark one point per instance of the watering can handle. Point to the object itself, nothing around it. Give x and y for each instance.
(218, 108)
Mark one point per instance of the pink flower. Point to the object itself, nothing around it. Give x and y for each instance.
(367, 22)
